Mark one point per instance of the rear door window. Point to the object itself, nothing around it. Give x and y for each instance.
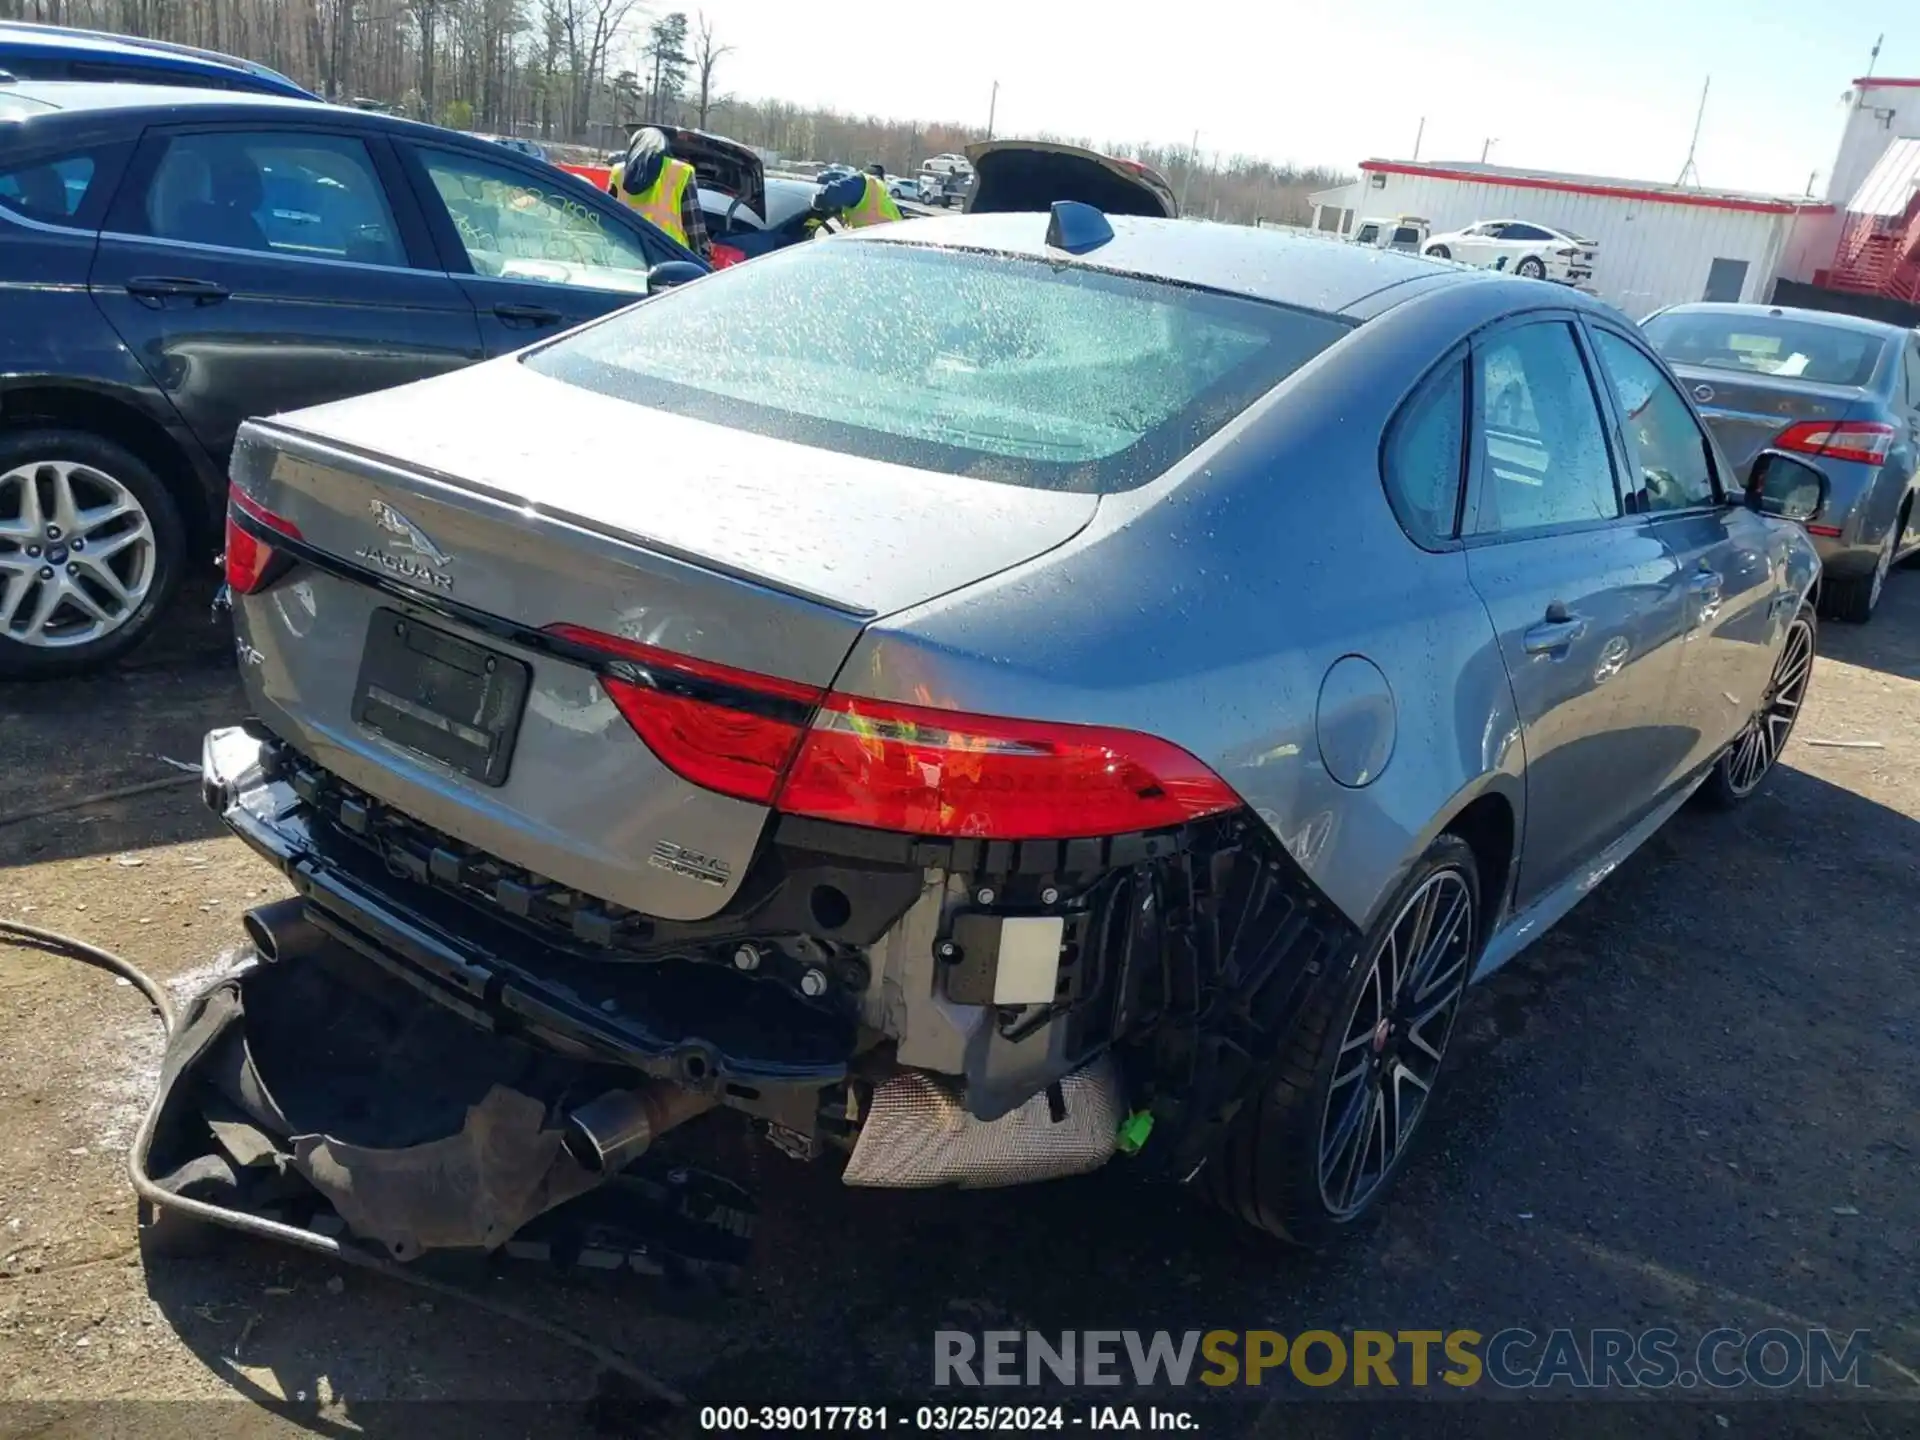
(1546, 458)
(1022, 371)
(302, 194)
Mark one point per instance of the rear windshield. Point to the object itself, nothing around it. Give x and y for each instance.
(1767, 345)
(1013, 370)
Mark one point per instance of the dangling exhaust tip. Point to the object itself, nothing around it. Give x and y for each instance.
(281, 931)
(608, 1134)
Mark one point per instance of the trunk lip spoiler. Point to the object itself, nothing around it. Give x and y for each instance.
(306, 445)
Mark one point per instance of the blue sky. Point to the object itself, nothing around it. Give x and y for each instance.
(1328, 82)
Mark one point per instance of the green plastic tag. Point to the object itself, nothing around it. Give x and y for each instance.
(1134, 1131)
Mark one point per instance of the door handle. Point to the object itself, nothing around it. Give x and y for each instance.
(183, 287)
(1555, 635)
(526, 314)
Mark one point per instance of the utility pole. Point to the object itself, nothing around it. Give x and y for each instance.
(1687, 172)
(1418, 136)
(993, 104)
(1186, 180)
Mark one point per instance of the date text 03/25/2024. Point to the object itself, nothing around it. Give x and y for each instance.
(939, 1419)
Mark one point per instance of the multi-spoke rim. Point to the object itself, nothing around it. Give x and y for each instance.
(77, 554)
(1760, 744)
(1394, 1041)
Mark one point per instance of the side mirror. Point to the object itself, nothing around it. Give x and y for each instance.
(669, 273)
(1778, 484)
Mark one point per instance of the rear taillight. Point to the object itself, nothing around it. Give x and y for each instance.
(904, 768)
(1867, 441)
(939, 772)
(722, 256)
(250, 560)
(723, 729)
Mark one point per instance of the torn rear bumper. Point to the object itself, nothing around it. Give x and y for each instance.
(696, 1026)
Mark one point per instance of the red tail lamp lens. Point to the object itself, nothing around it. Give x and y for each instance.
(728, 730)
(938, 772)
(249, 558)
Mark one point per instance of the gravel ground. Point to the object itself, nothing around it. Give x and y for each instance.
(1693, 1104)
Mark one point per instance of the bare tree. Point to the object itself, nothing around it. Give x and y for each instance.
(704, 59)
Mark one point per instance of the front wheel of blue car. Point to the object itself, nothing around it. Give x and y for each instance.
(1321, 1145)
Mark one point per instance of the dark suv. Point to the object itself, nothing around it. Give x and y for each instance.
(179, 260)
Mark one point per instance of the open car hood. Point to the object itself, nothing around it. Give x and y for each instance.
(721, 164)
(1031, 174)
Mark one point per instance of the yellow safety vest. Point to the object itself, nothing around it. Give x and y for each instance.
(876, 207)
(660, 202)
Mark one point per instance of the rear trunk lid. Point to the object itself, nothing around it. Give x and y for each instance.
(1748, 412)
(1023, 175)
(721, 164)
(479, 510)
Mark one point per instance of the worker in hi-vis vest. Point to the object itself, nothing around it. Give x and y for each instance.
(857, 200)
(662, 189)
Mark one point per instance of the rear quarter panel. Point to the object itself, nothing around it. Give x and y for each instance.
(1209, 606)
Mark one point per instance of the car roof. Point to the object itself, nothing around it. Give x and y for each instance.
(22, 38)
(1832, 318)
(90, 109)
(1308, 271)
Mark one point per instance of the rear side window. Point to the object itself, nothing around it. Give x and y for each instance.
(50, 190)
(299, 194)
(1426, 455)
(1546, 452)
(1058, 377)
(1743, 342)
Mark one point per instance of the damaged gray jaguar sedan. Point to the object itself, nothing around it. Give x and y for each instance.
(975, 699)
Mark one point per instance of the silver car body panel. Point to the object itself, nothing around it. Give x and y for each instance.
(1209, 606)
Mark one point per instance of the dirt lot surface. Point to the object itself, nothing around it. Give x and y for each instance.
(1694, 1103)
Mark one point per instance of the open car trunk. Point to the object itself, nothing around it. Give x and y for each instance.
(1021, 175)
(721, 164)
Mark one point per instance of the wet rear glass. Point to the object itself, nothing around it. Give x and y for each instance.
(1008, 369)
(1767, 345)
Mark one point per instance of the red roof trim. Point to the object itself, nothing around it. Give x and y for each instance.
(1889, 82)
(1619, 192)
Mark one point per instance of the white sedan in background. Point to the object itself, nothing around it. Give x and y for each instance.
(1518, 247)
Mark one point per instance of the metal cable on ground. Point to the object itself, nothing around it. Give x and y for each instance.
(144, 1186)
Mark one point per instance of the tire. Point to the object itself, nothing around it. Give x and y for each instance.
(1440, 252)
(1854, 598)
(1744, 767)
(1269, 1170)
(1531, 267)
(96, 474)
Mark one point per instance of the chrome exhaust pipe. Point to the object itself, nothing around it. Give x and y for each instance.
(282, 931)
(608, 1134)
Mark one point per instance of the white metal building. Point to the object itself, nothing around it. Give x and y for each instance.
(1656, 244)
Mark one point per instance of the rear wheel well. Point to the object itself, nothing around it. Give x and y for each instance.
(1487, 827)
(52, 406)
